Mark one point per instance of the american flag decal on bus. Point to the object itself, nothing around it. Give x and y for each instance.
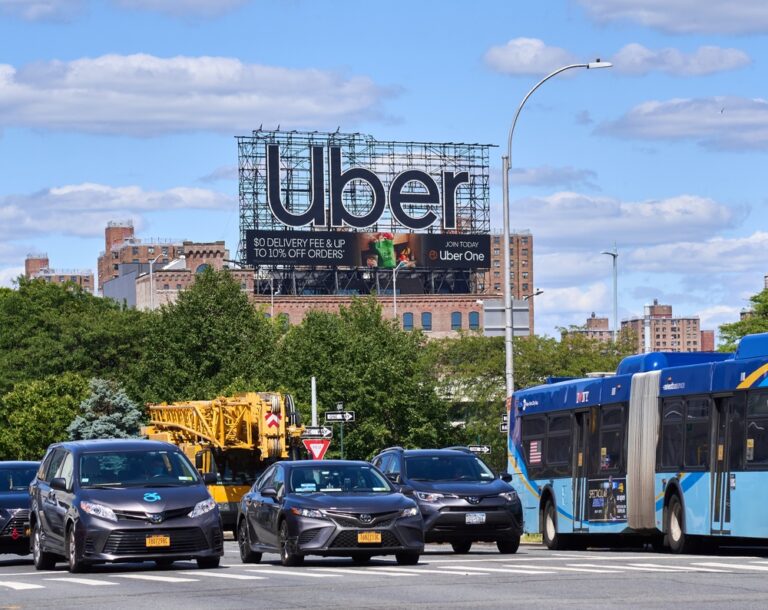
(534, 452)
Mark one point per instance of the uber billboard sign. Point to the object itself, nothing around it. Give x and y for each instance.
(375, 250)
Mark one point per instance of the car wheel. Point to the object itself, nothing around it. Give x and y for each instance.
(462, 547)
(679, 541)
(207, 563)
(407, 558)
(552, 539)
(42, 559)
(287, 557)
(361, 558)
(243, 542)
(74, 552)
(508, 545)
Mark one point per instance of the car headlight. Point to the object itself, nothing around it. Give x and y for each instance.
(508, 495)
(202, 507)
(429, 496)
(308, 512)
(98, 510)
(409, 512)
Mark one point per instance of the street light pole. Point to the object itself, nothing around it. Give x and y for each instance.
(399, 266)
(152, 284)
(615, 255)
(505, 162)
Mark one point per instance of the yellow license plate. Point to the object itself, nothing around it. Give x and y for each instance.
(369, 537)
(156, 541)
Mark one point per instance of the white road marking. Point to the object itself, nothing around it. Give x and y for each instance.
(279, 572)
(581, 569)
(19, 586)
(227, 575)
(387, 571)
(84, 581)
(679, 568)
(155, 578)
(443, 572)
(515, 570)
(734, 566)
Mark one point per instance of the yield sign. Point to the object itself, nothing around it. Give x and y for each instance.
(272, 419)
(316, 447)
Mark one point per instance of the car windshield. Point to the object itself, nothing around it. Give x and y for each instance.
(447, 468)
(16, 478)
(136, 469)
(337, 479)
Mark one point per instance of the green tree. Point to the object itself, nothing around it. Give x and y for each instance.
(51, 329)
(106, 413)
(374, 368)
(37, 413)
(755, 322)
(206, 341)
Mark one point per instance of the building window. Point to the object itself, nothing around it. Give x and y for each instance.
(426, 320)
(166, 286)
(135, 250)
(407, 321)
(497, 263)
(456, 320)
(474, 320)
(525, 275)
(496, 287)
(525, 252)
(165, 251)
(202, 268)
(525, 287)
(178, 286)
(151, 250)
(496, 251)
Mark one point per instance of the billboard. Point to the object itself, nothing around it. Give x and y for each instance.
(382, 250)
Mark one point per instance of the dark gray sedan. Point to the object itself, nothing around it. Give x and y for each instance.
(329, 508)
(14, 505)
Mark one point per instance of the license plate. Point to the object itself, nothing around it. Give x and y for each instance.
(157, 541)
(369, 537)
(474, 518)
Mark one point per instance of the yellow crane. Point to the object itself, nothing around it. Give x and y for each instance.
(235, 437)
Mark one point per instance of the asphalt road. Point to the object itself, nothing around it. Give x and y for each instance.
(483, 578)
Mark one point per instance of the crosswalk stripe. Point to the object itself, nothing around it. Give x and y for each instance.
(155, 578)
(622, 568)
(442, 571)
(734, 566)
(513, 570)
(385, 570)
(19, 586)
(226, 575)
(582, 569)
(84, 581)
(679, 568)
(279, 572)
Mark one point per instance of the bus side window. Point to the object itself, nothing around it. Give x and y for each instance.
(559, 444)
(611, 438)
(697, 427)
(671, 443)
(533, 429)
(757, 429)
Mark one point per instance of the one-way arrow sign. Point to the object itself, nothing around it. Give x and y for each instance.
(342, 416)
(317, 432)
(479, 448)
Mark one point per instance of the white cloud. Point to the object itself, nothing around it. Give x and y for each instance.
(716, 122)
(561, 269)
(9, 274)
(522, 56)
(706, 256)
(42, 10)
(553, 176)
(225, 172)
(637, 60)
(685, 16)
(85, 209)
(713, 317)
(184, 8)
(144, 95)
(573, 299)
(580, 220)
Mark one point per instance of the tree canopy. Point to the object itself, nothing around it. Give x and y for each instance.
(106, 413)
(755, 322)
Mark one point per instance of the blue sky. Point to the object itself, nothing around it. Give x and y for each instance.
(118, 109)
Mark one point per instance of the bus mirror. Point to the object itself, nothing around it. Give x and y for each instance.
(209, 478)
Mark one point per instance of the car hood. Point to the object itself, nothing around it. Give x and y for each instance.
(371, 503)
(14, 499)
(463, 488)
(147, 499)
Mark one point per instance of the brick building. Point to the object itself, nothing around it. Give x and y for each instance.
(659, 330)
(121, 246)
(521, 270)
(595, 328)
(38, 266)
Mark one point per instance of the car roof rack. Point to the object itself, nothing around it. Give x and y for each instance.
(459, 448)
(396, 448)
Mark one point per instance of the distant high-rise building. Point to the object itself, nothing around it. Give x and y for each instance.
(37, 265)
(659, 330)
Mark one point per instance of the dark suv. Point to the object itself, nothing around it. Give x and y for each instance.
(461, 499)
(14, 506)
(121, 500)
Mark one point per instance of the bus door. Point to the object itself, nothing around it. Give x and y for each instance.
(581, 427)
(727, 455)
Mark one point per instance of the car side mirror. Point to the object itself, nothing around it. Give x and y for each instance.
(269, 492)
(59, 484)
(406, 490)
(209, 478)
(505, 476)
(394, 477)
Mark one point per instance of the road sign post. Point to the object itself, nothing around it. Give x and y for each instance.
(340, 416)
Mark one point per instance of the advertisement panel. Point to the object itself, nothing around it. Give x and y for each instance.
(381, 250)
(607, 499)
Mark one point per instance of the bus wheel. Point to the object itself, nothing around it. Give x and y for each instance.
(679, 542)
(552, 539)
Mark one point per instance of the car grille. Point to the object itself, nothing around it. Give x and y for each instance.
(18, 522)
(348, 540)
(353, 519)
(309, 535)
(473, 508)
(138, 515)
(133, 542)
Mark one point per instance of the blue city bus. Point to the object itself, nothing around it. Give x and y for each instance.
(672, 449)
